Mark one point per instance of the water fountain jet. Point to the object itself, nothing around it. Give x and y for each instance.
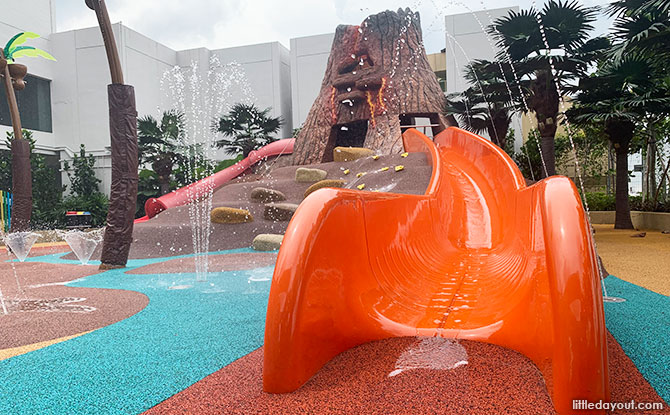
(20, 243)
(83, 244)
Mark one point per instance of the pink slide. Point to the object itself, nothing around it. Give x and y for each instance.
(182, 196)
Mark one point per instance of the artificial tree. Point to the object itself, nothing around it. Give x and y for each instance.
(123, 137)
(13, 75)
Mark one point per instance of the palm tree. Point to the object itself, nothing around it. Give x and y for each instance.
(618, 97)
(160, 144)
(248, 128)
(13, 75)
(566, 27)
(488, 104)
(12, 50)
(642, 28)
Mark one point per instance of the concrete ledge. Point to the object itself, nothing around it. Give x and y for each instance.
(652, 221)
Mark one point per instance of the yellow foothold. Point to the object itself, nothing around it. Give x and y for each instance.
(375, 157)
(383, 169)
(361, 186)
(346, 171)
(404, 155)
(398, 168)
(361, 174)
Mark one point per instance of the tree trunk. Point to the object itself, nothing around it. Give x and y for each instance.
(649, 171)
(164, 184)
(22, 186)
(123, 193)
(548, 153)
(622, 218)
(376, 72)
(498, 128)
(544, 101)
(163, 169)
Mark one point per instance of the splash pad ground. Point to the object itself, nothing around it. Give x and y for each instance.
(159, 341)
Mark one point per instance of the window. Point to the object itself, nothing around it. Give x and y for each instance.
(34, 105)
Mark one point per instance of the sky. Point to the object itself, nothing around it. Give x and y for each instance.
(216, 24)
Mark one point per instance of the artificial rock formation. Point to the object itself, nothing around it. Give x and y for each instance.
(230, 215)
(265, 195)
(377, 80)
(279, 212)
(305, 175)
(351, 153)
(324, 183)
(267, 242)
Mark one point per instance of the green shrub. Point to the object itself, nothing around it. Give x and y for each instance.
(148, 186)
(82, 177)
(529, 159)
(86, 195)
(600, 201)
(96, 203)
(227, 163)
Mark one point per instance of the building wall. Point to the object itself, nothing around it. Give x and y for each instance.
(30, 16)
(309, 57)
(81, 76)
(266, 67)
(79, 88)
(467, 40)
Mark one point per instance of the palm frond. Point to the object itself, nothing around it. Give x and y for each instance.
(31, 52)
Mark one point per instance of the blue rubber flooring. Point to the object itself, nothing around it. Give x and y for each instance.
(182, 336)
(185, 334)
(641, 325)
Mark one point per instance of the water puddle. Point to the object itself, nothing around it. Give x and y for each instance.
(431, 353)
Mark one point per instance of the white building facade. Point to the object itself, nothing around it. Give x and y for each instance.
(65, 102)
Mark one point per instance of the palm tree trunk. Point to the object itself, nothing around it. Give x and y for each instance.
(164, 184)
(622, 218)
(21, 185)
(649, 172)
(548, 153)
(21, 173)
(544, 102)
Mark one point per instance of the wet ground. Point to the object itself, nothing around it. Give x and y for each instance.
(156, 339)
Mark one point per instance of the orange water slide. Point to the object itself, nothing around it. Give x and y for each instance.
(479, 256)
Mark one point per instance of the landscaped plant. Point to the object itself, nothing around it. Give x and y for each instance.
(161, 145)
(528, 157)
(247, 129)
(148, 186)
(566, 25)
(630, 91)
(85, 194)
(487, 105)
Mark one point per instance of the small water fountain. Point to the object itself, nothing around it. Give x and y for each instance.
(202, 95)
(82, 243)
(20, 243)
